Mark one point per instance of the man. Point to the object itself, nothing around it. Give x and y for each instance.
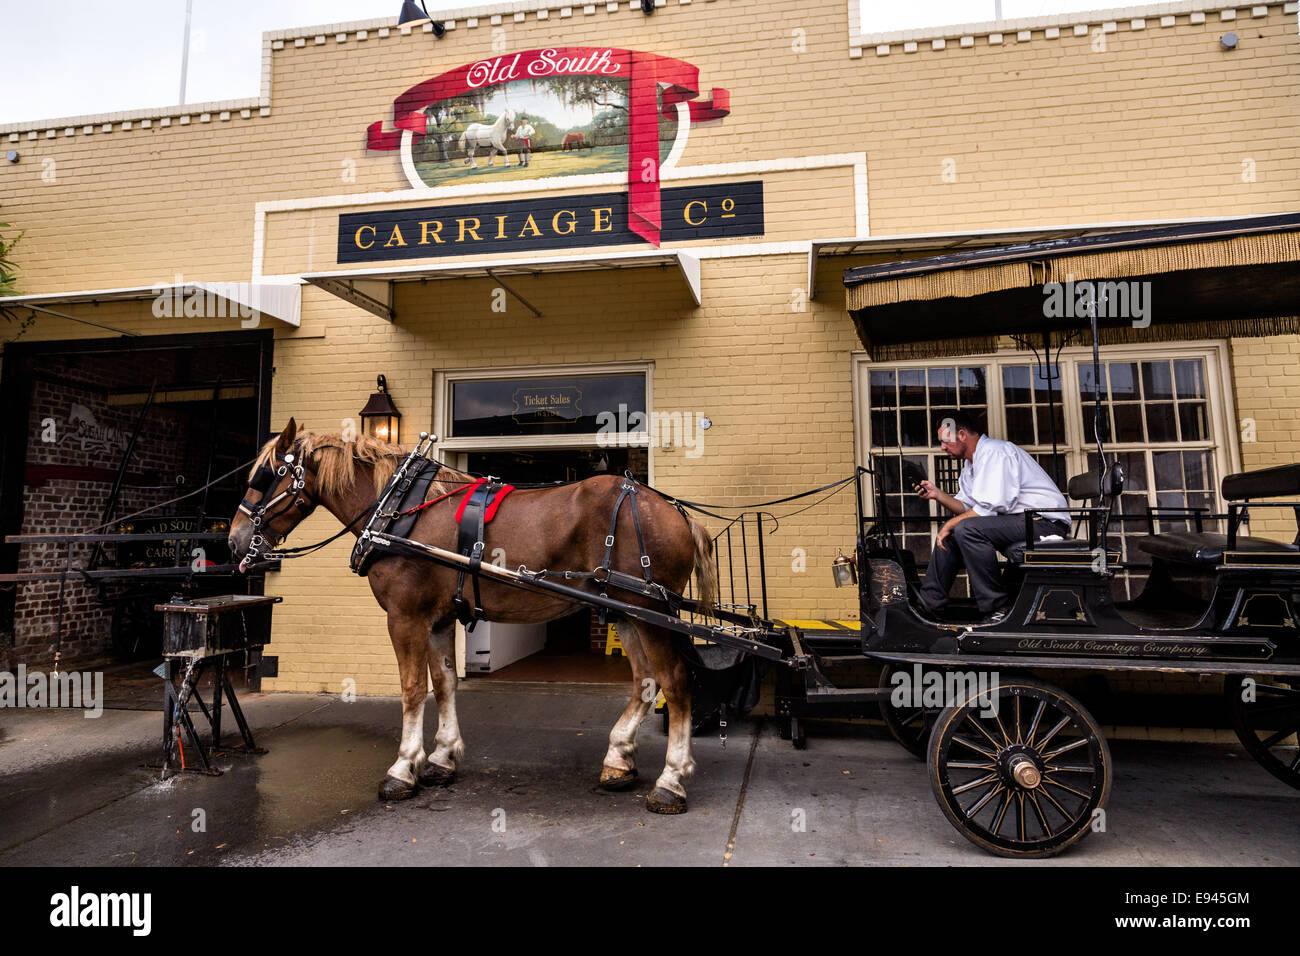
(998, 484)
(524, 132)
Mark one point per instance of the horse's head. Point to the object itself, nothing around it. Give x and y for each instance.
(279, 496)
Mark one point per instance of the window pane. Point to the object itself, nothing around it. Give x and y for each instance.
(884, 429)
(1189, 378)
(1160, 423)
(1043, 376)
(1055, 468)
(1128, 423)
(1169, 470)
(943, 387)
(1123, 381)
(1087, 383)
(1089, 414)
(1016, 385)
(916, 429)
(911, 386)
(1197, 471)
(1157, 383)
(1191, 418)
(884, 385)
(972, 390)
(1045, 426)
(1020, 426)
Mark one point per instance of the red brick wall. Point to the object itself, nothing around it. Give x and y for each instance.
(64, 505)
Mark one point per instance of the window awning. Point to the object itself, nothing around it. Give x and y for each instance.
(1237, 277)
(236, 300)
(372, 289)
(940, 241)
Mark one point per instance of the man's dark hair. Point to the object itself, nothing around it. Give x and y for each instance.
(965, 419)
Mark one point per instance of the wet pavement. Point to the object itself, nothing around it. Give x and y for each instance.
(74, 792)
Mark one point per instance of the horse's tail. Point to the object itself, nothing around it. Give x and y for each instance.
(462, 139)
(706, 565)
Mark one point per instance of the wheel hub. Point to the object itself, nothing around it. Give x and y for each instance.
(1020, 767)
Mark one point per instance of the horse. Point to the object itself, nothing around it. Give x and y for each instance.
(573, 141)
(553, 527)
(478, 135)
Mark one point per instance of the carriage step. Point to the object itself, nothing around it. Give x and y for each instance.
(836, 660)
(849, 695)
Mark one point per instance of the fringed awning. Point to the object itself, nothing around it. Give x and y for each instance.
(1234, 278)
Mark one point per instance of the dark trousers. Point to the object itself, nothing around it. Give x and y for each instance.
(975, 543)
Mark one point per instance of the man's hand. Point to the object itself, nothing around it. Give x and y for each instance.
(944, 532)
(927, 490)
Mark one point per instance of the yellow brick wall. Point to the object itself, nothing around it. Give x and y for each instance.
(1039, 132)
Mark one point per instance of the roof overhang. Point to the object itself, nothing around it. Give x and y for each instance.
(1234, 277)
(372, 289)
(241, 300)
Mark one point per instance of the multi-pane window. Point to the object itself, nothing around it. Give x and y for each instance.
(1157, 418)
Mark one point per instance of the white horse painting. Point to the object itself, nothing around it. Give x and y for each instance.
(493, 138)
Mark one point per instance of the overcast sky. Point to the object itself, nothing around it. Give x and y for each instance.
(95, 56)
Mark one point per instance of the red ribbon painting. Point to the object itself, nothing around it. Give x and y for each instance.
(646, 74)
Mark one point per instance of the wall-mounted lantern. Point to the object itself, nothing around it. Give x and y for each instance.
(380, 419)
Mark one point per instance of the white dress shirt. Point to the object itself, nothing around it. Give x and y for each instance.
(1002, 479)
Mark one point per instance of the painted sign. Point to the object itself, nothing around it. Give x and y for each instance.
(600, 219)
(553, 112)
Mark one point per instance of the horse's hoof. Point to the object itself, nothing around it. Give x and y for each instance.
(615, 780)
(394, 789)
(435, 776)
(665, 801)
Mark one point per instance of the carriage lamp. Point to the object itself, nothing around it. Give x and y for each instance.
(414, 14)
(380, 418)
(844, 569)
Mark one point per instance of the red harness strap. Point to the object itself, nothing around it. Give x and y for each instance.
(491, 510)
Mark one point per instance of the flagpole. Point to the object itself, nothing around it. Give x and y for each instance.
(185, 48)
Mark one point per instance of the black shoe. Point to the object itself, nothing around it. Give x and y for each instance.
(996, 616)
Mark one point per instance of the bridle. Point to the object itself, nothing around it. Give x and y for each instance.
(293, 496)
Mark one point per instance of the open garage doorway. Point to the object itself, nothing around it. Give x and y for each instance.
(123, 433)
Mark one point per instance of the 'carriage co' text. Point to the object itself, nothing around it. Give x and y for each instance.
(596, 219)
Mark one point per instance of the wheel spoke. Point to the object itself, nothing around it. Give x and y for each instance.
(1042, 820)
(1052, 733)
(1020, 815)
(980, 727)
(1065, 768)
(962, 740)
(1018, 739)
(1081, 742)
(988, 778)
(1006, 737)
(983, 801)
(1033, 725)
(1281, 735)
(1060, 809)
(967, 765)
(1062, 786)
(1002, 811)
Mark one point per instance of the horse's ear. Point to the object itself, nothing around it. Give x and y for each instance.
(287, 437)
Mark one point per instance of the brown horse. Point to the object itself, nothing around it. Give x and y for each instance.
(559, 527)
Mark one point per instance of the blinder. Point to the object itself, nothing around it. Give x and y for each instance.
(263, 480)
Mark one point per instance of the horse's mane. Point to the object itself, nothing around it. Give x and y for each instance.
(336, 459)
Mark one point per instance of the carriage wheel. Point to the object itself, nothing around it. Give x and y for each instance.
(1267, 723)
(910, 726)
(1025, 778)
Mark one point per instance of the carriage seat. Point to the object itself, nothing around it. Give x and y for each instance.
(1015, 553)
(1206, 548)
(1203, 548)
